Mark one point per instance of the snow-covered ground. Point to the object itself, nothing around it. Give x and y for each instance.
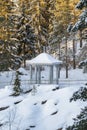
(48, 108)
(75, 77)
(74, 74)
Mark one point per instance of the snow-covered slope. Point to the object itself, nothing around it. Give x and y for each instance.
(47, 109)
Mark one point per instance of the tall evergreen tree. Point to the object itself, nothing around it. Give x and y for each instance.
(80, 122)
(41, 12)
(25, 35)
(47, 21)
(6, 31)
(64, 14)
(81, 24)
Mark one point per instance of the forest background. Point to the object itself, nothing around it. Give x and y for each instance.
(29, 27)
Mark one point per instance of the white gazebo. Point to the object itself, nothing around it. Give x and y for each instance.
(36, 66)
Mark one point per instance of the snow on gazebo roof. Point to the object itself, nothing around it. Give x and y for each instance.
(43, 58)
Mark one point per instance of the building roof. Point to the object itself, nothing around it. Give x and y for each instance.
(44, 59)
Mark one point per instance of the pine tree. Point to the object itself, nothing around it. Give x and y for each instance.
(80, 94)
(24, 34)
(81, 24)
(8, 57)
(80, 122)
(17, 84)
(47, 13)
(26, 39)
(64, 14)
(41, 17)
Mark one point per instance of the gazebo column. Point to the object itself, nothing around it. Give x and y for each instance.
(57, 74)
(51, 74)
(30, 73)
(39, 75)
(36, 74)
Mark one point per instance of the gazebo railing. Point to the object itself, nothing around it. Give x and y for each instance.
(41, 82)
(62, 83)
(25, 83)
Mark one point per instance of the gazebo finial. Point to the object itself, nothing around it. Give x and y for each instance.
(44, 49)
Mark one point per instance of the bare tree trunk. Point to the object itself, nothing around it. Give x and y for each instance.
(59, 59)
(59, 51)
(66, 60)
(80, 38)
(74, 60)
(24, 55)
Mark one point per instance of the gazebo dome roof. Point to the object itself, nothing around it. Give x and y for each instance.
(43, 59)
